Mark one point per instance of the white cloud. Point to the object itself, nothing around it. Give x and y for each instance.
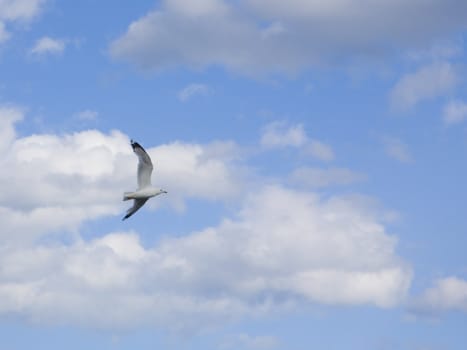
(279, 134)
(320, 150)
(455, 112)
(246, 341)
(283, 248)
(47, 45)
(54, 183)
(17, 11)
(192, 90)
(397, 149)
(23, 10)
(8, 116)
(257, 36)
(87, 115)
(201, 171)
(317, 178)
(447, 294)
(426, 83)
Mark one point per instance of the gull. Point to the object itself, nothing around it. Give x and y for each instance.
(145, 189)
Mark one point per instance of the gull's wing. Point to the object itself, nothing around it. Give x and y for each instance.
(137, 203)
(144, 165)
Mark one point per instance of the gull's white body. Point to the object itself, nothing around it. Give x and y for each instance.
(143, 193)
(145, 189)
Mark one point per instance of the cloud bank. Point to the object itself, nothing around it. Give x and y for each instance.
(282, 249)
(278, 249)
(257, 36)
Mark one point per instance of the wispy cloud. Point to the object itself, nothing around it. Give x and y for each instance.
(455, 112)
(446, 294)
(320, 150)
(438, 51)
(426, 83)
(9, 115)
(4, 35)
(317, 177)
(86, 115)
(397, 149)
(280, 134)
(48, 46)
(192, 90)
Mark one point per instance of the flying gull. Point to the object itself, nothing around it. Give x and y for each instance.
(145, 189)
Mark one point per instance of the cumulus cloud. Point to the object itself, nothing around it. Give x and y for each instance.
(254, 36)
(318, 178)
(200, 171)
(192, 90)
(278, 249)
(426, 83)
(282, 248)
(55, 182)
(279, 134)
(48, 46)
(446, 294)
(20, 9)
(17, 11)
(455, 112)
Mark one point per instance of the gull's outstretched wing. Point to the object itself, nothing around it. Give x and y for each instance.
(137, 203)
(144, 165)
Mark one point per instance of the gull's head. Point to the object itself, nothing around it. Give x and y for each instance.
(152, 192)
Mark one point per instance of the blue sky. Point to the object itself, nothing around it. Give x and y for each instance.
(313, 154)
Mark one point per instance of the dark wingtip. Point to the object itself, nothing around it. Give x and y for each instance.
(135, 144)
